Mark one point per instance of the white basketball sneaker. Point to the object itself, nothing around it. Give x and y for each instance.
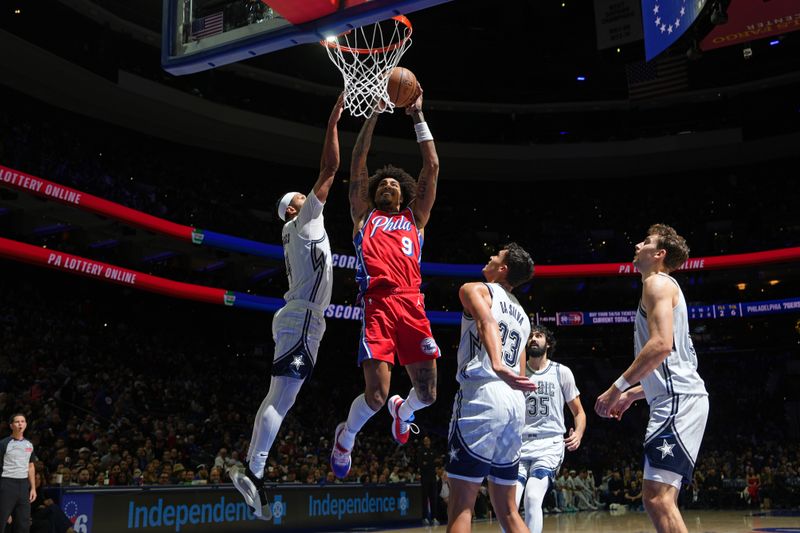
(252, 490)
(340, 456)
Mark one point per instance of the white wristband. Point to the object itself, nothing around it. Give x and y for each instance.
(622, 384)
(423, 133)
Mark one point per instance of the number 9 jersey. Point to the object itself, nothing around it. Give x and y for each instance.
(388, 249)
(474, 365)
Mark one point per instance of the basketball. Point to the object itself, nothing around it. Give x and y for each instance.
(402, 87)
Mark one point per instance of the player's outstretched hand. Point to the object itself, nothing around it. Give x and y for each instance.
(416, 107)
(514, 380)
(573, 440)
(607, 402)
(338, 107)
(625, 401)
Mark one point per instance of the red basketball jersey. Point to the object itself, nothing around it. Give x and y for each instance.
(389, 249)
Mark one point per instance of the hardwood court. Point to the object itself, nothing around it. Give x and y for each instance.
(637, 522)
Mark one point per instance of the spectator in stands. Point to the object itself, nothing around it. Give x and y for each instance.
(84, 477)
(710, 488)
(46, 516)
(222, 460)
(633, 495)
(215, 476)
(564, 491)
(111, 457)
(616, 490)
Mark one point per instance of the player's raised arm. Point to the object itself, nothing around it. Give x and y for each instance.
(429, 175)
(359, 175)
(477, 302)
(329, 161)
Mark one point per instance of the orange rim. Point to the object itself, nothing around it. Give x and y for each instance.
(399, 18)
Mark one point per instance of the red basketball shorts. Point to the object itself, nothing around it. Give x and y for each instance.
(395, 323)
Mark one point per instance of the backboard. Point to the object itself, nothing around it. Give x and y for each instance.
(202, 34)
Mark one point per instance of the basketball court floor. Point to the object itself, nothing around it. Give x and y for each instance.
(638, 522)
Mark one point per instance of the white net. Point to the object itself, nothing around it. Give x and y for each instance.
(365, 56)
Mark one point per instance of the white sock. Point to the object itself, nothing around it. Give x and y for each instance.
(520, 492)
(360, 412)
(535, 490)
(411, 404)
(280, 398)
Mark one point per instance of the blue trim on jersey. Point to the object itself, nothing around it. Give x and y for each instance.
(318, 262)
(542, 372)
(362, 276)
(363, 348)
(491, 292)
(668, 377)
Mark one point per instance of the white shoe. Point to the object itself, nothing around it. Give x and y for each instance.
(340, 456)
(252, 490)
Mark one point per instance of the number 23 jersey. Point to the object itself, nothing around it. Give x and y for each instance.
(474, 365)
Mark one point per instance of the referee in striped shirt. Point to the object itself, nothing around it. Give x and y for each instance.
(17, 477)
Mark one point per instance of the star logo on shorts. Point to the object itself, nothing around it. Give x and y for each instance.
(666, 449)
(297, 362)
(453, 454)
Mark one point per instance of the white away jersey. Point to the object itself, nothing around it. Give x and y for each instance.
(678, 373)
(474, 365)
(544, 408)
(307, 252)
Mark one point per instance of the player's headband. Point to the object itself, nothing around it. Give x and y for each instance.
(284, 204)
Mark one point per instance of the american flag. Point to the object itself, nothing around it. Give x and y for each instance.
(659, 77)
(207, 26)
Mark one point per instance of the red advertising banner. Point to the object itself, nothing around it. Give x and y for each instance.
(29, 183)
(74, 264)
(749, 20)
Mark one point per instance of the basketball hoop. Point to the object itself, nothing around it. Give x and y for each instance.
(365, 56)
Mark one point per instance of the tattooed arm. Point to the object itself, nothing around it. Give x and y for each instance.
(359, 175)
(428, 176)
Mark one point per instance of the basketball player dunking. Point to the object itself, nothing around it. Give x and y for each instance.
(543, 440)
(666, 368)
(389, 217)
(489, 409)
(297, 328)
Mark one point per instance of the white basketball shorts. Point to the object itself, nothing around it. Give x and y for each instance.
(673, 437)
(485, 433)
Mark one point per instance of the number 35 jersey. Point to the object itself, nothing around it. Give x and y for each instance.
(389, 249)
(474, 365)
(544, 408)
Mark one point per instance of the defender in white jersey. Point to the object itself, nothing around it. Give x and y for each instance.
(543, 439)
(488, 411)
(666, 368)
(297, 327)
